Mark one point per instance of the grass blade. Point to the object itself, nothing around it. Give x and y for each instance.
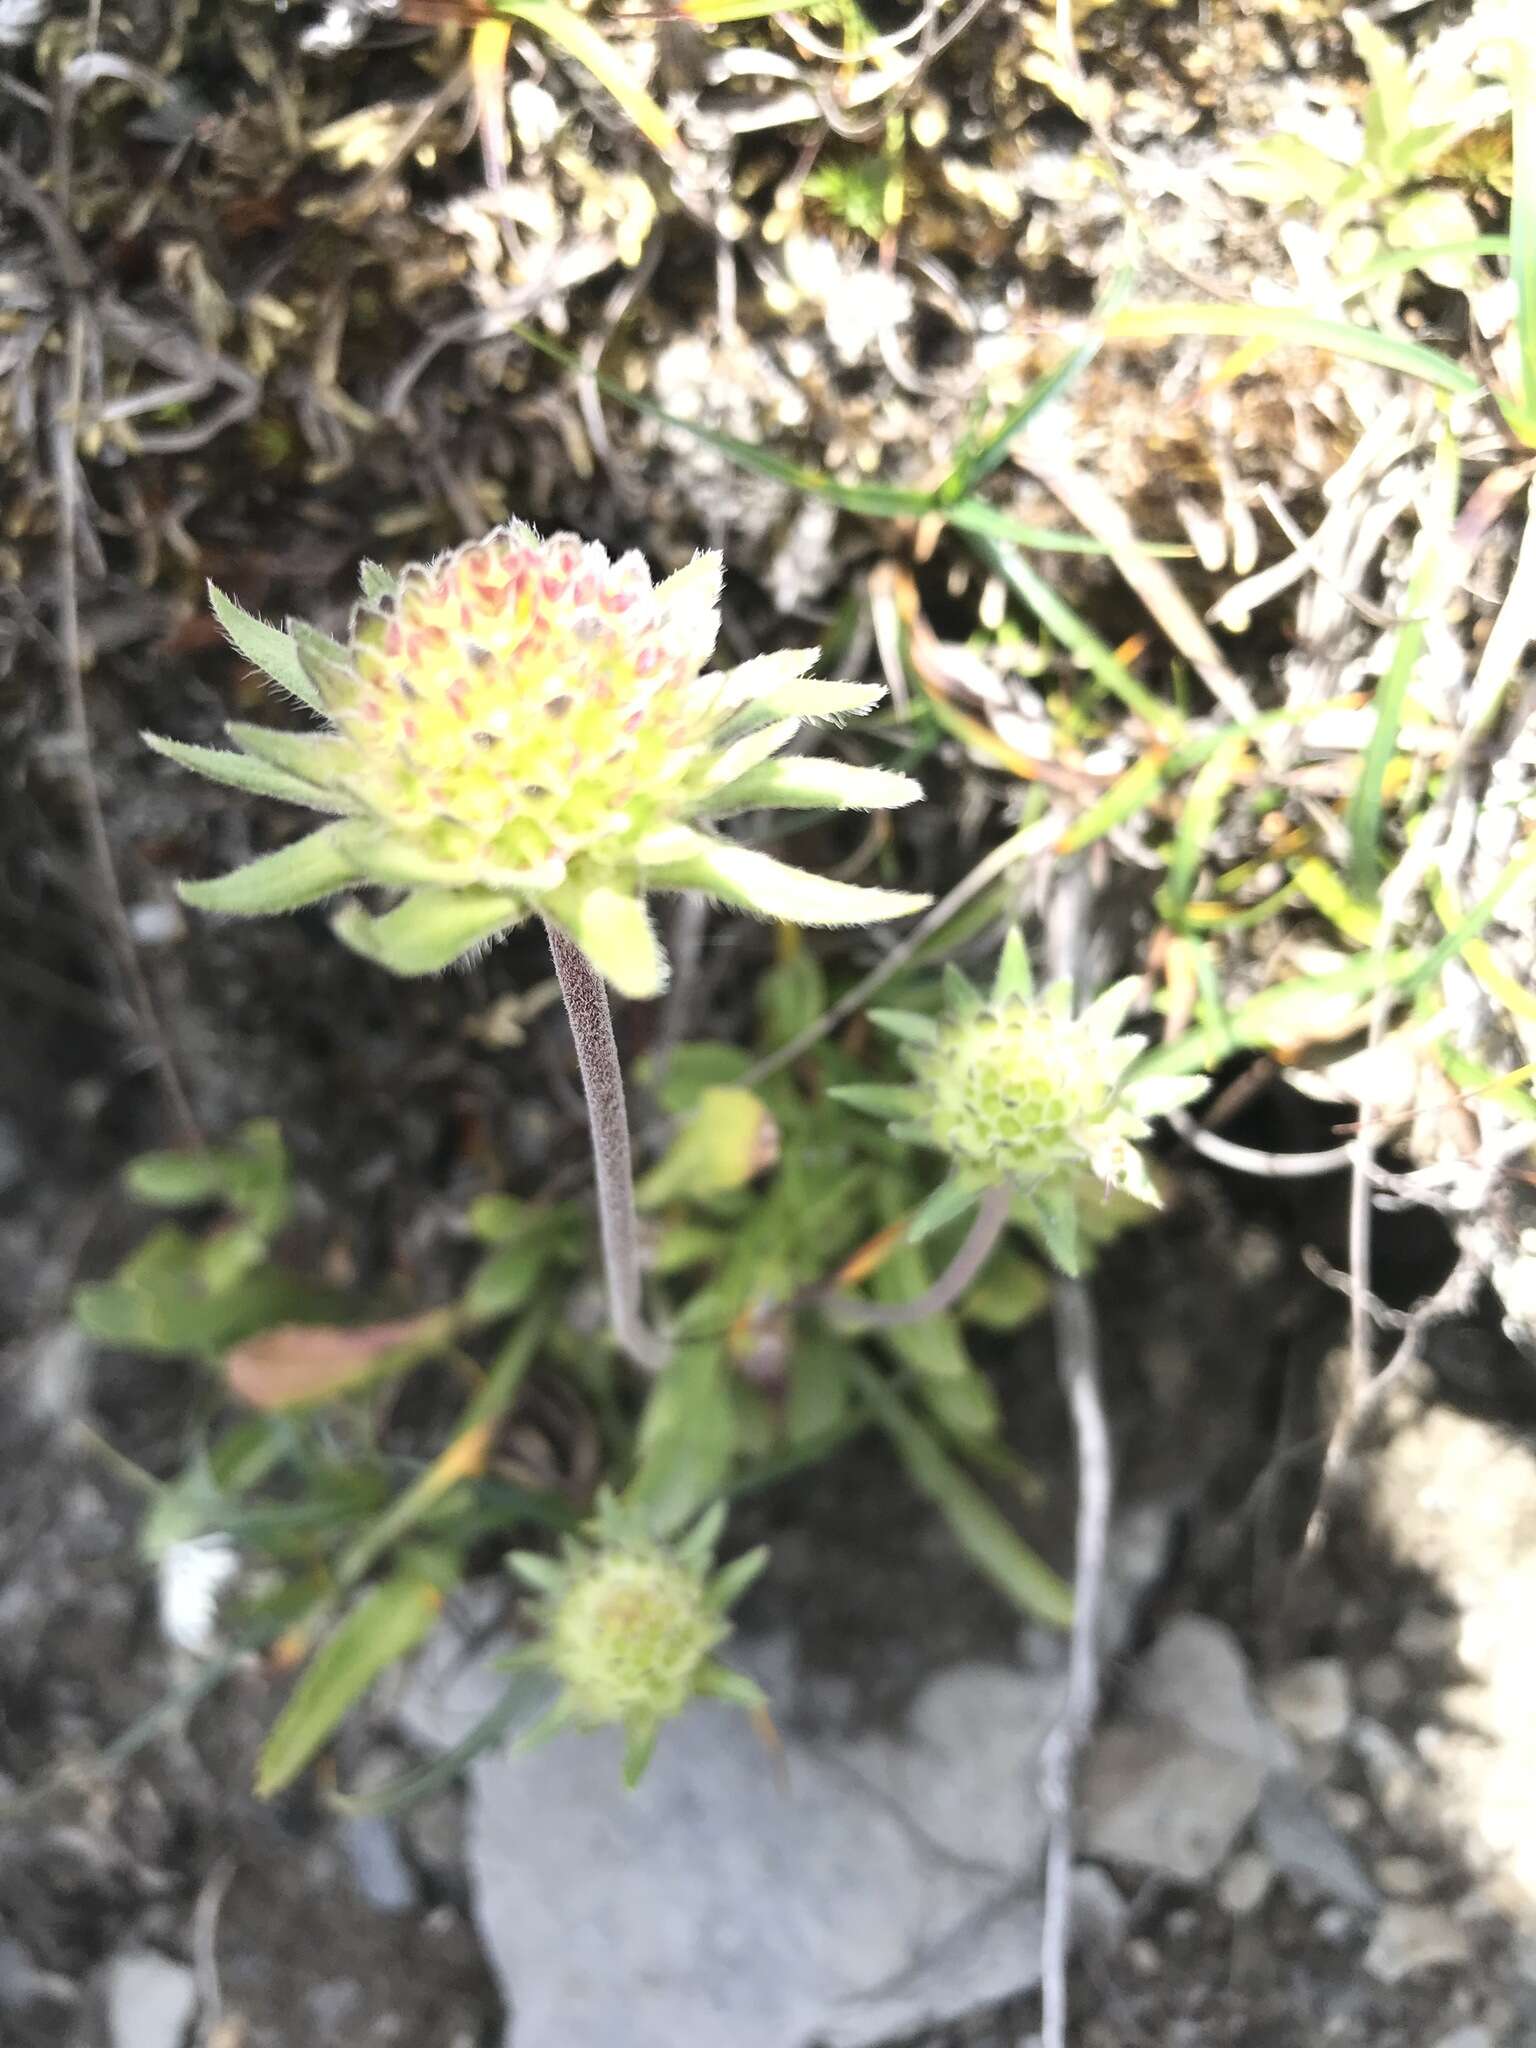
(982, 1532)
(579, 40)
(969, 472)
(1286, 326)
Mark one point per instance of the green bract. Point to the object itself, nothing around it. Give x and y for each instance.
(629, 1624)
(1017, 1091)
(525, 726)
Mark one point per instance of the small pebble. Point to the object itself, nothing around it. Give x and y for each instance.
(1245, 1883)
(1411, 1939)
(1427, 1635)
(1334, 1923)
(1403, 1877)
(1349, 1811)
(1383, 1684)
(1143, 1957)
(1466, 2037)
(1311, 1700)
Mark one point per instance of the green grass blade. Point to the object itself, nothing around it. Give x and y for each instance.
(579, 40)
(1282, 1016)
(982, 1532)
(1462, 934)
(1197, 823)
(1080, 640)
(970, 470)
(1366, 806)
(1396, 261)
(1286, 326)
(1522, 224)
(874, 501)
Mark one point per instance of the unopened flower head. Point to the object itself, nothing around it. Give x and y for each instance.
(629, 1625)
(526, 726)
(1015, 1090)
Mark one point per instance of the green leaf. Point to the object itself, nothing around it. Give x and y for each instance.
(1013, 977)
(910, 1026)
(316, 757)
(943, 1206)
(687, 1438)
(992, 1545)
(528, 1695)
(757, 882)
(500, 1219)
(878, 1098)
(1009, 1291)
(615, 933)
(237, 771)
(384, 1626)
(266, 647)
(639, 1747)
(430, 930)
(326, 663)
(1052, 1211)
(961, 995)
(728, 1140)
(790, 996)
(808, 783)
(377, 582)
(505, 1281)
(305, 872)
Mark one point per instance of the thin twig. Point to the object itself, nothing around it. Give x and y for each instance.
(1077, 1367)
(1250, 1159)
(1422, 853)
(1453, 1297)
(65, 424)
(980, 1240)
(586, 1004)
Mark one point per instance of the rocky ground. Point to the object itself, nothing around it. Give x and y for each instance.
(265, 267)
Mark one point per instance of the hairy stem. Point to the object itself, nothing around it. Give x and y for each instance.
(1077, 1366)
(986, 1228)
(602, 1080)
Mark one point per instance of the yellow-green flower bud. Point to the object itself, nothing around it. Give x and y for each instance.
(629, 1624)
(526, 726)
(629, 1635)
(1015, 1090)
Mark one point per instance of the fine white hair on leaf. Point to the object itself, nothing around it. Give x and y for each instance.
(193, 1575)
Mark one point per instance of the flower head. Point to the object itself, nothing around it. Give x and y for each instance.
(629, 1624)
(1016, 1090)
(526, 726)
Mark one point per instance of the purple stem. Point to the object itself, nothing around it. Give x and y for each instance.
(602, 1079)
(986, 1228)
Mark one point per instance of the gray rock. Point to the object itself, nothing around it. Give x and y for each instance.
(1314, 1857)
(1410, 1939)
(1466, 2037)
(1311, 1701)
(1172, 1786)
(383, 1876)
(854, 1889)
(150, 2000)
(1245, 1884)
